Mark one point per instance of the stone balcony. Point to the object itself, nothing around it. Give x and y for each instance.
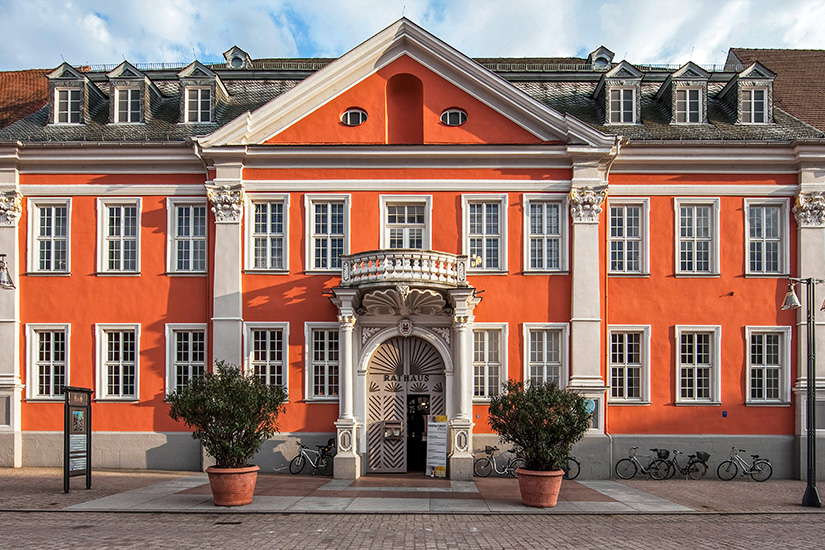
(420, 267)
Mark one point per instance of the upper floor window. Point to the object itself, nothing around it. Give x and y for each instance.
(406, 221)
(546, 360)
(689, 105)
(489, 360)
(769, 360)
(485, 238)
(454, 117)
(622, 105)
(198, 105)
(354, 117)
(754, 106)
(49, 230)
(118, 353)
(267, 241)
(48, 360)
(328, 226)
(766, 229)
(119, 235)
(322, 363)
(67, 106)
(187, 236)
(697, 236)
(698, 365)
(128, 105)
(628, 236)
(545, 227)
(186, 355)
(629, 364)
(266, 352)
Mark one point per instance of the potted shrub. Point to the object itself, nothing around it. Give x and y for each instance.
(544, 422)
(231, 414)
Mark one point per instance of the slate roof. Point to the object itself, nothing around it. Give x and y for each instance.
(21, 94)
(799, 87)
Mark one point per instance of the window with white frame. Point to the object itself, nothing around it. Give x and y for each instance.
(697, 236)
(545, 226)
(698, 365)
(267, 244)
(769, 359)
(322, 361)
(766, 229)
(48, 360)
(406, 222)
(629, 364)
(628, 237)
(127, 101)
(49, 234)
(118, 361)
(186, 355)
(546, 358)
(266, 347)
(622, 105)
(198, 105)
(187, 235)
(67, 106)
(489, 360)
(754, 105)
(328, 231)
(485, 225)
(119, 235)
(689, 106)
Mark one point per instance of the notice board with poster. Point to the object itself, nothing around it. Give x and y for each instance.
(77, 435)
(437, 446)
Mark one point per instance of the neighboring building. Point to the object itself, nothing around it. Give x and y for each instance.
(400, 230)
(22, 93)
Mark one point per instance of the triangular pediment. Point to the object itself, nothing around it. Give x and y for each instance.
(623, 70)
(691, 70)
(757, 71)
(404, 43)
(196, 70)
(65, 72)
(125, 70)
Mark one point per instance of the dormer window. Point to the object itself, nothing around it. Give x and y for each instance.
(689, 106)
(454, 117)
(623, 105)
(198, 105)
(754, 106)
(67, 106)
(128, 105)
(354, 117)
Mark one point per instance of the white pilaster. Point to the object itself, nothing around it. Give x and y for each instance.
(460, 411)
(348, 460)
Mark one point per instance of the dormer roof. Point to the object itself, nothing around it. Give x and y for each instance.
(690, 71)
(67, 73)
(622, 71)
(197, 71)
(601, 58)
(236, 58)
(755, 72)
(126, 71)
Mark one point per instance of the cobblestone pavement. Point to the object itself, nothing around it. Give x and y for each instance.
(37, 530)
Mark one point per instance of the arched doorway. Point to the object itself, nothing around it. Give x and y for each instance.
(405, 382)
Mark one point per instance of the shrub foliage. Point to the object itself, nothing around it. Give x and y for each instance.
(231, 414)
(542, 420)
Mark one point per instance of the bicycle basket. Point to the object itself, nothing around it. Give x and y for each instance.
(702, 456)
(663, 453)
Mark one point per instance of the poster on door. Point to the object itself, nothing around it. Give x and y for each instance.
(437, 446)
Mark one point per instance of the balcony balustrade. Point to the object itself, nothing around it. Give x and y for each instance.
(424, 267)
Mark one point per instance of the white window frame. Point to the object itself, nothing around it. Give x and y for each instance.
(644, 237)
(103, 238)
(249, 347)
(310, 200)
(69, 103)
(622, 90)
(644, 372)
(171, 351)
(33, 252)
(784, 232)
(128, 91)
(564, 238)
(784, 334)
(172, 205)
(198, 117)
(102, 393)
(715, 332)
(251, 235)
(564, 349)
(713, 203)
(687, 89)
(501, 200)
(750, 101)
(503, 330)
(309, 374)
(407, 200)
(32, 359)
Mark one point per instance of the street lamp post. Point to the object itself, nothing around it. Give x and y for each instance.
(811, 497)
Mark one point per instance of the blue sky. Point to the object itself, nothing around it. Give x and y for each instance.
(41, 33)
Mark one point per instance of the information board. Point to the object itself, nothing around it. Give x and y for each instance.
(437, 446)
(77, 435)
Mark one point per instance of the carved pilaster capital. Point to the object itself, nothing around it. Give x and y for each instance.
(461, 322)
(586, 203)
(11, 206)
(347, 322)
(809, 209)
(227, 202)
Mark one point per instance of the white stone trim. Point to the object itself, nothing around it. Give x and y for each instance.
(309, 227)
(564, 349)
(101, 393)
(785, 231)
(644, 398)
(786, 344)
(170, 330)
(309, 396)
(502, 200)
(564, 221)
(31, 358)
(102, 224)
(644, 203)
(248, 327)
(735, 190)
(503, 330)
(427, 200)
(171, 223)
(713, 202)
(715, 367)
(249, 230)
(46, 191)
(32, 252)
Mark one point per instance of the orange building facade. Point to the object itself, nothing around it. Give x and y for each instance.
(398, 232)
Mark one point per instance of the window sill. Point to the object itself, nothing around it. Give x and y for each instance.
(47, 273)
(36, 399)
(117, 273)
(628, 402)
(621, 274)
(767, 275)
(323, 271)
(698, 403)
(767, 404)
(687, 275)
(321, 400)
(185, 273)
(487, 272)
(545, 272)
(266, 271)
(117, 400)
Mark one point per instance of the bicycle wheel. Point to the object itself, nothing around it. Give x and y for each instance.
(325, 465)
(697, 469)
(727, 470)
(761, 470)
(297, 464)
(660, 469)
(626, 468)
(514, 465)
(572, 468)
(482, 467)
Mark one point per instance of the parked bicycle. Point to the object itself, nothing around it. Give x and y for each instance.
(572, 468)
(323, 458)
(487, 464)
(760, 470)
(696, 467)
(627, 468)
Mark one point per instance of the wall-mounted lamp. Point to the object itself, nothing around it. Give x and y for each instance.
(5, 277)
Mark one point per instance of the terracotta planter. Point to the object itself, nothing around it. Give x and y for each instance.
(539, 489)
(232, 486)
